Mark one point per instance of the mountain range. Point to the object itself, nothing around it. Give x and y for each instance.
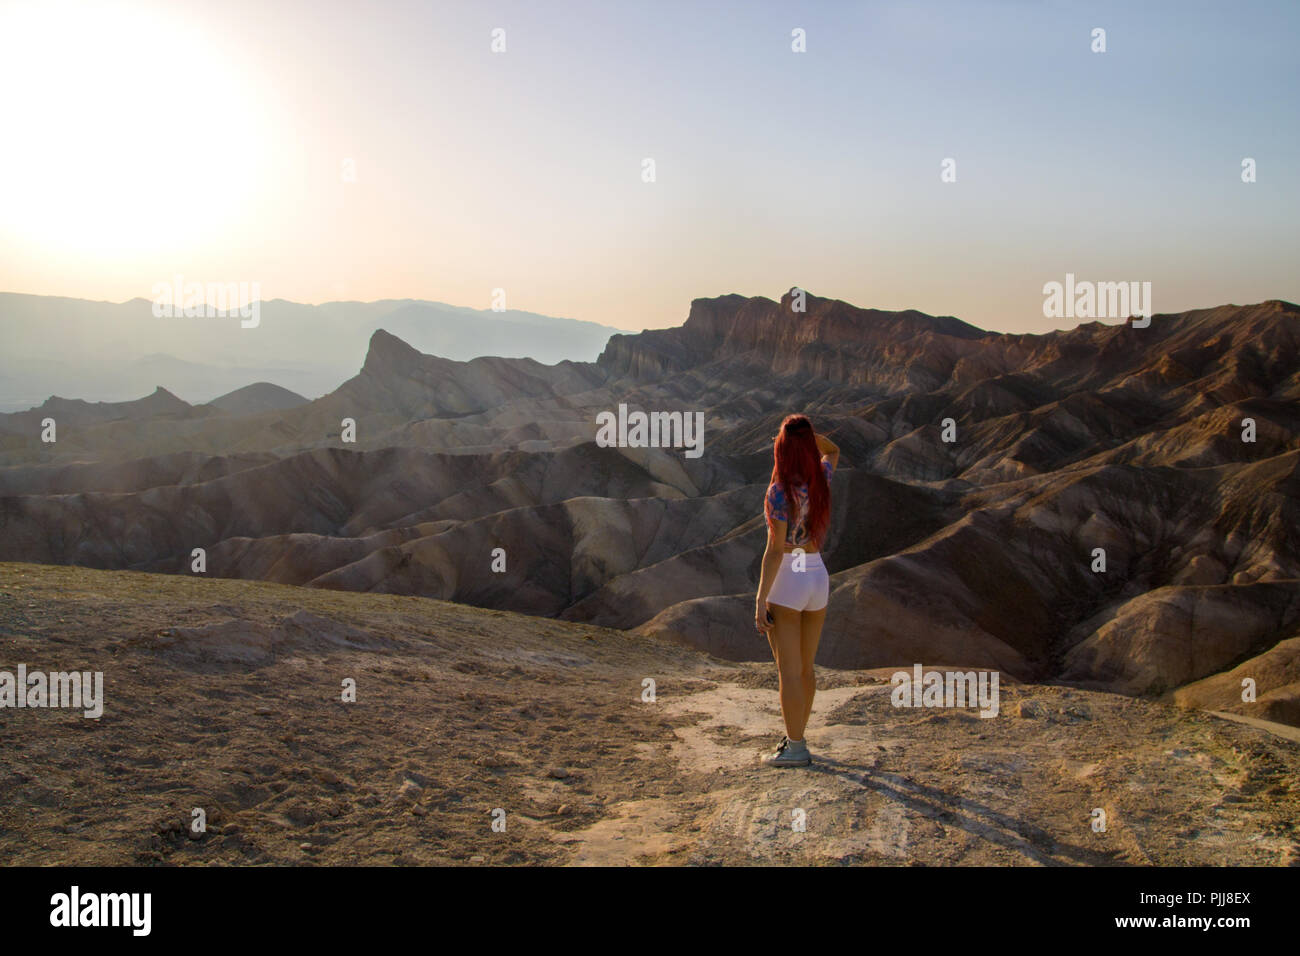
(984, 479)
(114, 351)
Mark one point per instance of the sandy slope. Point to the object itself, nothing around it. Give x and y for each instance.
(225, 695)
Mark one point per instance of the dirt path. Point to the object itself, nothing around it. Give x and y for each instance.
(226, 696)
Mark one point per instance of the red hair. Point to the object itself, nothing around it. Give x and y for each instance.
(797, 461)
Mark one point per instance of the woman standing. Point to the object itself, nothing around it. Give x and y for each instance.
(794, 586)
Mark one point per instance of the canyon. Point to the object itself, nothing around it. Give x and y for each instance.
(976, 552)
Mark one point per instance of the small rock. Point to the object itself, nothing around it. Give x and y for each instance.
(558, 773)
(1030, 708)
(418, 810)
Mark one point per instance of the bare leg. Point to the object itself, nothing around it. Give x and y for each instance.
(810, 633)
(785, 638)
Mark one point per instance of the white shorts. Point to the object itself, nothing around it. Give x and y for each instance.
(806, 590)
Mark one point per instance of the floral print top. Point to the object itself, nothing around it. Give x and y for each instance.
(775, 507)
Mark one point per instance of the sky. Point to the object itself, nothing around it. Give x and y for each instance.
(347, 151)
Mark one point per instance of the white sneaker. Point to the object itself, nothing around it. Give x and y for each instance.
(789, 755)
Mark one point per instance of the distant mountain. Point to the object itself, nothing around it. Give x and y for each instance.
(258, 397)
(464, 334)
(76, 412)
(26, 382)
(111, 351)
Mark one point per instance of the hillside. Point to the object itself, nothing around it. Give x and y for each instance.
(258, 397)
(984, 476)
(225, 695)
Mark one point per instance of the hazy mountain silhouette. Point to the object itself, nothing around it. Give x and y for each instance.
(113, 351)
(258, 397)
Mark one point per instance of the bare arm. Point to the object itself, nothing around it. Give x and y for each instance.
(829, 449)
(771, 564)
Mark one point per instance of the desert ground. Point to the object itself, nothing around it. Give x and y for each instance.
(226, 695)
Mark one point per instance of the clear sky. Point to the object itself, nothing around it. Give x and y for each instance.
(142, 140)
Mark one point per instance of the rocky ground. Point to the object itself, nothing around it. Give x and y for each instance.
(226, 696)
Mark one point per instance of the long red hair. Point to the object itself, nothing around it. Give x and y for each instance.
(796, 461)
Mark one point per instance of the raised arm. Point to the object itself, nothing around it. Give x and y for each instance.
(829, 449)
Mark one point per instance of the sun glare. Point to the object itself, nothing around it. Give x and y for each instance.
(125, 128)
